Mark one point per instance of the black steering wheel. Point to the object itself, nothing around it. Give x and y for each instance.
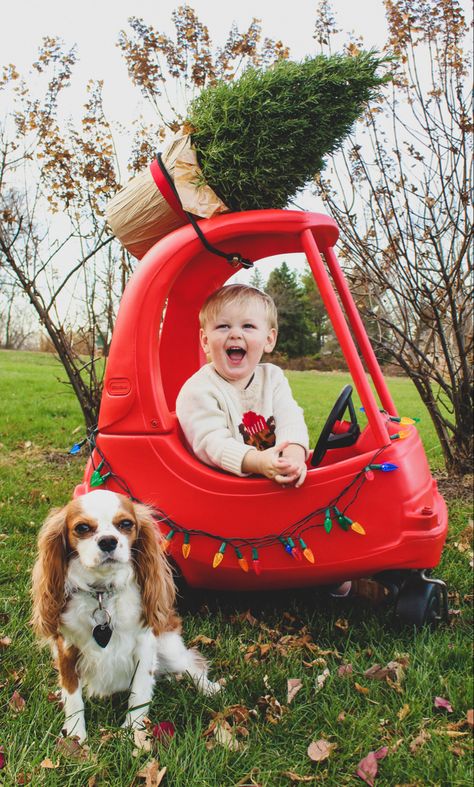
(329, 440)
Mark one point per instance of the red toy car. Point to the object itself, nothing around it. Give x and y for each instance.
(369, 506)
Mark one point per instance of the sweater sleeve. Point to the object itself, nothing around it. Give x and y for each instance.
(289, 417)
(206, 429)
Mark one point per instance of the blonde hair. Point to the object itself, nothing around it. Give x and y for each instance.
(240, 294)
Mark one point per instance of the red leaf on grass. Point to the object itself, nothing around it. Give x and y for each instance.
(164, 731)
(440, 702)
(367, 769)
(2, 758)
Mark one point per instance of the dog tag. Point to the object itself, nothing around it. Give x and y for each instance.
(102, 634)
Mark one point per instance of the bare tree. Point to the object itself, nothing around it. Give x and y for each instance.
(54, 179)
(400, 194)
(56, 175)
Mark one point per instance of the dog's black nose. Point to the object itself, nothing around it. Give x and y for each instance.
(107, 543)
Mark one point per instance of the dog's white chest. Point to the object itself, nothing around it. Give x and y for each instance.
(106, 670)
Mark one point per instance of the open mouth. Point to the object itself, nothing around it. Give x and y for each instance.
(235, 354)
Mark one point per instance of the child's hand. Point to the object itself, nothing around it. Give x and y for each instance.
(282, 463)
(295, 455)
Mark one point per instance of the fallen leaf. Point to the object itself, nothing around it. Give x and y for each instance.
(49, 764)
(249, 779)
(295, 777)
(142, 742)
(201, 639)
(320, 750)
(70, 747)
(342, 624)
(151, 773)
(92, 781)
(244, 617)
(470, 717)
(5, 642)
(418, 742)
(225, 737)
(376, 672)
(294, 685)
(321, 679)
(367, 769)
(55, 696)
(272, 708)
(344, 669)
(361, 689)
(163, 731)
(403, 712)
(17, 703)
(2, 758)
(440, 702)
(452, 733)
(342, 716)
(23, 778)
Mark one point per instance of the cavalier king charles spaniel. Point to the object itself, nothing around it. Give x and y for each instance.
(103, 596)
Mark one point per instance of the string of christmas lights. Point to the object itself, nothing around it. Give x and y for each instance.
(291, 538)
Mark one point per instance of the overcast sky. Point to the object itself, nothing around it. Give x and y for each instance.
(94, 26)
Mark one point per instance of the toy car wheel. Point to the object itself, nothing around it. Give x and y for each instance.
(419, 603)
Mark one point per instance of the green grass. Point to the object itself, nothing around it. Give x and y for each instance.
(38, 423)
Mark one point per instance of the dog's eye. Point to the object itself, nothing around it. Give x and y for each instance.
(82, 528)
(125, 524)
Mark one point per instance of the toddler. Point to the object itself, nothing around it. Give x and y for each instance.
(236, 413)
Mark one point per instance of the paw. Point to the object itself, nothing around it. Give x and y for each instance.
(209, 687)
(75, 729)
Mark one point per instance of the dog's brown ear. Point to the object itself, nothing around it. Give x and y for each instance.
(49, 574)
(153, 572)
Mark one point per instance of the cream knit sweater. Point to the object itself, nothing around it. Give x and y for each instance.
(210, 411)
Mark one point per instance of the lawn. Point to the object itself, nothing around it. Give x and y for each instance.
(250, 734)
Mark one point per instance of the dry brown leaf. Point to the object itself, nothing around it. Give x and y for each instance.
(24, 778)
(470, 717)
(17, 702)
(272, 708)
(142, 741)
(71, 747)
(452, 733)
(320, 750)
(48, 763)
(342, 624)
(294, 685)
(403, 712)
(321, 679)
(152, 774)
(420, 739)
(295, 777)
(5, 642)
(225, 737)
(244, 617)
(361, 689)
(344, 670)
(201, 639)
(92, 781)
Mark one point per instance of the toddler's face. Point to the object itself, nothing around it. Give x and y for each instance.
(236, 339)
